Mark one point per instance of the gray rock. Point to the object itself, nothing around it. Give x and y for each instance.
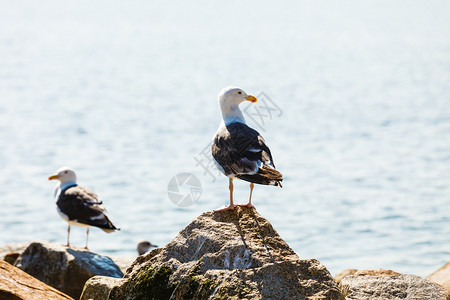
(226, 255)
(99, 287)
(387, 287)
(64, 268)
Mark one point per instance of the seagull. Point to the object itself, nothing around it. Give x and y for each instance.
(240, 151)
(78, 205)
(144, 247)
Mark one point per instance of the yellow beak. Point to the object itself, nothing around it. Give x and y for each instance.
(251, 98)
(53, 177)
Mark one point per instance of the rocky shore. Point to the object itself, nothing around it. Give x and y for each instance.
(219, 255)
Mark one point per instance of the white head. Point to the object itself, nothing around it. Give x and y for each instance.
(64, 174)
(229, 100)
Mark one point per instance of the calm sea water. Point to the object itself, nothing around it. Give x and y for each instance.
(125, 93)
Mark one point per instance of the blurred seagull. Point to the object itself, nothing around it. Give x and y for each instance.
(240, 151)
(78, 205)
(144, 247)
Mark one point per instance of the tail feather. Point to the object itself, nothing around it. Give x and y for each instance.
(109, 226)
(108, 230)
(265, 175)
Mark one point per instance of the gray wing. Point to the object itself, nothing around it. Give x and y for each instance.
(83, 206)
(241, 151)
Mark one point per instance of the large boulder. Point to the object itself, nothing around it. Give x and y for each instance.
(442, 276)
(386, 285)
(15, 284)
(11, 252)
(99, 287)
(64, 268)
(234, 254)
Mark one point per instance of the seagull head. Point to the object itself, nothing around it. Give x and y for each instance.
(233, 96)
(64, 174)
(144, 246)
(229, 100)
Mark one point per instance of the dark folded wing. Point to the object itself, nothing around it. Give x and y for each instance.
(83, 206)
(241, 151)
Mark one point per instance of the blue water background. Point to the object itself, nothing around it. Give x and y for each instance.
(125, 93)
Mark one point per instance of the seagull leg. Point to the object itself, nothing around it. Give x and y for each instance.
(87, 235)
(231, 206)
(68, 236)
(231, 188)
(249, 204)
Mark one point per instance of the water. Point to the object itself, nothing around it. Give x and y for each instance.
(125, 93)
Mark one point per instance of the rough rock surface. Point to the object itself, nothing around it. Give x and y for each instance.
(99, 287)
(370, 286)
(442, 276)
(64, 268)
(15, 284)
(233, 254)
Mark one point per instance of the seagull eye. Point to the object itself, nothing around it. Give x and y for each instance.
(239, 92)
(65, 172)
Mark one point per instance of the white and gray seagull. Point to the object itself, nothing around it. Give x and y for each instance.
(240, 151)
(78, 205)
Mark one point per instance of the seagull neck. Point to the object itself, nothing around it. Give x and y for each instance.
(67, 184)
(232, 114)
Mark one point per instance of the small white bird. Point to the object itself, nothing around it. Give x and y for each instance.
(240, 151)
(78, 205)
